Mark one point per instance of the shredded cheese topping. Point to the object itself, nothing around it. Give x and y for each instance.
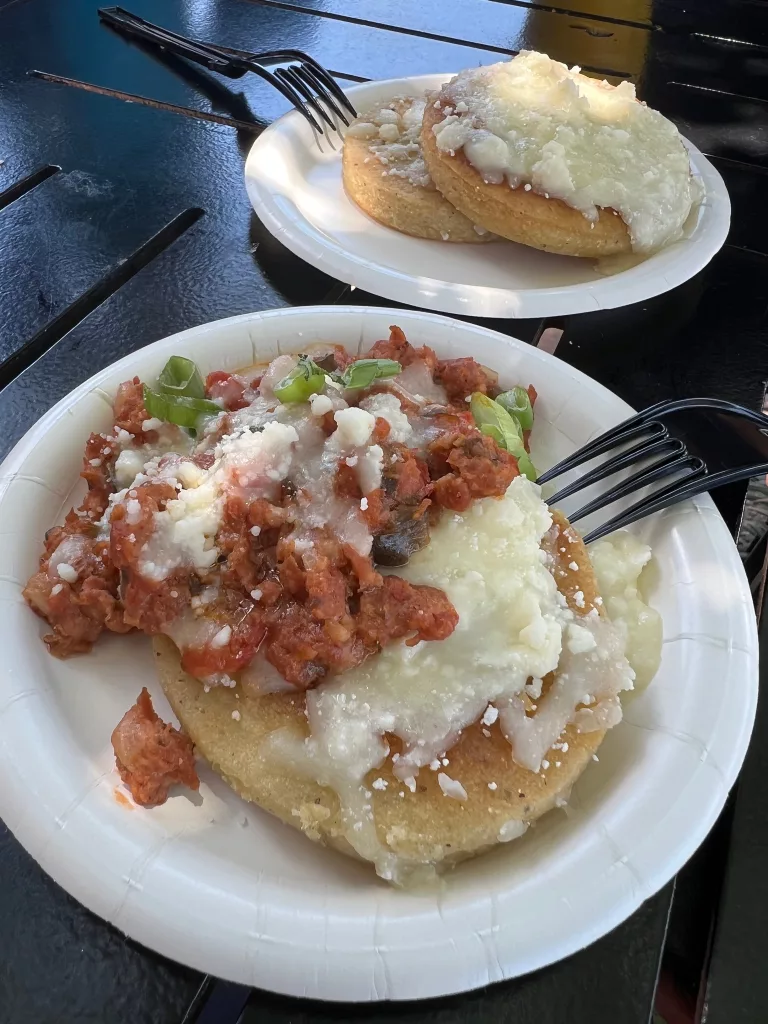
(531, 121)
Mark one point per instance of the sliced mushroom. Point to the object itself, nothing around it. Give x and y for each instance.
(396, 547)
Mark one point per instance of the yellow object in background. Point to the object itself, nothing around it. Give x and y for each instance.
(601, 44)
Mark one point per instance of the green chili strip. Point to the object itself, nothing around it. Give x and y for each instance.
(517, 402)
(181, 377)
(305, 379)
(178, 409)
(364, 372)
(494, 421)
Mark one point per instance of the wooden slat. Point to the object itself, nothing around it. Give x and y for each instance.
(60, 240)
(735, 991)
(225, 264)
(731, 19)
(706, 337)
(61, 963)
(628, 12)
(720, 124)
(747, 187)
(612, 48)
(712, 63)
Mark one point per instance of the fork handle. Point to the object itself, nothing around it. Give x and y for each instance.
(131, 24)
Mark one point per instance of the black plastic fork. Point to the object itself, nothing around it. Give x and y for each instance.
(305, 83)
(703, 443)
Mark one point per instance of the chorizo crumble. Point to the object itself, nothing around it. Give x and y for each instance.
(259, 537)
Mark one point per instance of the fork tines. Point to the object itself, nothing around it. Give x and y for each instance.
(661, 455)
(306, 84)
(733, 441)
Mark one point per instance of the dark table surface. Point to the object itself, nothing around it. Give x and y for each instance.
(123, 218)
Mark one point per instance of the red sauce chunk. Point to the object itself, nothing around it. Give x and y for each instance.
(151, 755)
(229, 389)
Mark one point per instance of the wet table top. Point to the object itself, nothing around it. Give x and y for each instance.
(123, 219)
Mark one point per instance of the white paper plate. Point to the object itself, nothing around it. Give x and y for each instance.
(293, 178)
(221, 886)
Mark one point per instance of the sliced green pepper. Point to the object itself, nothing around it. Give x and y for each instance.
(517, 402)
(179, 409)
(494, 421)
(305, 379)
(364, 372)
(181, 377)
(488, 414)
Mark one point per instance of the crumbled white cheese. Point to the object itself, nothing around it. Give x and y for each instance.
(256, 594)
(67, 572)
(153, 423)
(369, 469)
(320, 404)
(255, 531)
(618, 562)
(353, 427)
(534, 688)
(492, 786)
(189, 474)
(57, 589)
(389, 133)
(236, 715)
(380, 783)
(132, 511)
(129, 463)
(388, 407)
(580, 640)
(184, 533)
(254, 459)
(592, 145)
(512, 829)
(490, 716)
(451, 787)
(222, 638)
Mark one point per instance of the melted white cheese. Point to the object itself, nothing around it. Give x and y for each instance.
(533, 121)
(513, 624)
(618, 562)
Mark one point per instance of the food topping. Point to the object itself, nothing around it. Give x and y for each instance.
(533, 122)
(261, 535)
(245, 516)
(513, 625)
(151, 755)
(393, 133)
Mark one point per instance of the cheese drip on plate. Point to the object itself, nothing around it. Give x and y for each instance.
(514, 625)
(533, 122)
